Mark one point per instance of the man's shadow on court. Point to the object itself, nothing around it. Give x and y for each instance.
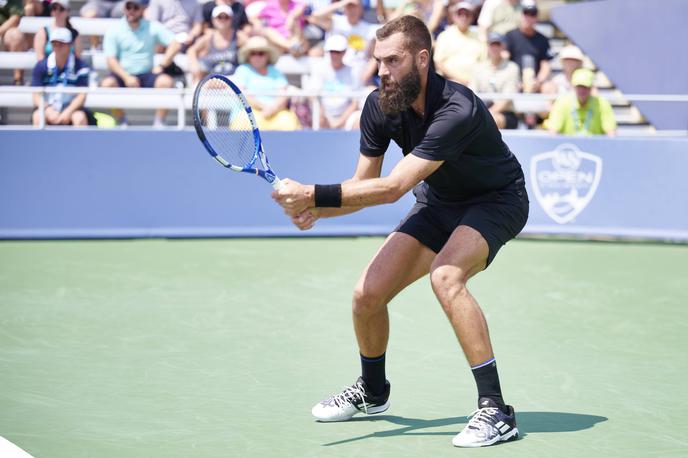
(528, 422)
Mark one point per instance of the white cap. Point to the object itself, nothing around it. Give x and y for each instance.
(463, 6)
(336, 43)
(223, 9)
(61, 34)
(571, 52)
(64, 3)
(529, 5)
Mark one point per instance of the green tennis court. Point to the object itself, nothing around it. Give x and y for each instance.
(209, 348)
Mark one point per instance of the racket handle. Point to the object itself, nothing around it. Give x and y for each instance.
(276, 184)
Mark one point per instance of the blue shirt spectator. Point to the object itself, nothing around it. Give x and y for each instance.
(135, 48)
(61, 69)
(272, 80)
(257, 74)
(130, 50)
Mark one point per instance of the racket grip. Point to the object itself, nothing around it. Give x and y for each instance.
(276, 184)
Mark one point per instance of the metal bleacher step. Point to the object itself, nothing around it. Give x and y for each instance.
(555, 45)
(614, 96)
(628, 115)
(546, 28)
(602, 81)
(639, 130)
(16, 117)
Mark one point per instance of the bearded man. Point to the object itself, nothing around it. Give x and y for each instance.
(470, 200)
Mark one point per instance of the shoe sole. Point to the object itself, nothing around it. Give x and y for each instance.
(371, 411)
(510, 436)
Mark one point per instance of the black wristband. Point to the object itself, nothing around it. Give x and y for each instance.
(328, 195)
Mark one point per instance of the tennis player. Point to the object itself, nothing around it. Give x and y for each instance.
(470, 200)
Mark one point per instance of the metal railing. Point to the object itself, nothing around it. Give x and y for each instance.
(180, 99)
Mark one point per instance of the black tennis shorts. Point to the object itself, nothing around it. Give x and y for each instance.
(498, 217)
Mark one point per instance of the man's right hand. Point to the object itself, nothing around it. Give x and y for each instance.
(131, 81)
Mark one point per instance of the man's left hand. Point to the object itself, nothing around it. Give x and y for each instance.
(294, 197)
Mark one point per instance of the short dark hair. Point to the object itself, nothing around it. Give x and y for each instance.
(416, 34)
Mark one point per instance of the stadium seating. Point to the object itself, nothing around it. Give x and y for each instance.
(296, 70)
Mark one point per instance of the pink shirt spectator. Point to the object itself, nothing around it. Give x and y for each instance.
(275, 17)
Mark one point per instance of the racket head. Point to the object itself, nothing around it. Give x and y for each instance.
(225, 124)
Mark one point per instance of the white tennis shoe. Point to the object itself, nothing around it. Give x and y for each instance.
(353, 400)
(488, 426)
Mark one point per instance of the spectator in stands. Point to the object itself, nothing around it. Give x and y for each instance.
(429, 11)
(500, 16)
(11, 12)
(333, 76)
(282, 23)
(103, 8)
(359, 34)
(529, 49)
(38, 8)
(59, 10)
(240, 22)
(61, 69)
(458, 49)
(580, 112)
(498, 75)
(184, 18)
(218, 50)
(256, 74)
(11, 39)
(130, 48)
(571, 59)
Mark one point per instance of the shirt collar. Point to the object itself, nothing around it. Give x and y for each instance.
(433, 94)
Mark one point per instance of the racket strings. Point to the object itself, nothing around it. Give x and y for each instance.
(226, 124)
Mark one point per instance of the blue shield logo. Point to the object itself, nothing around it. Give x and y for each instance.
(564, 181)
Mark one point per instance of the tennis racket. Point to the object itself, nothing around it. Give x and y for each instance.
(226, 126)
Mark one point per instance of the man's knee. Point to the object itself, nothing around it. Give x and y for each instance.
(163, 81)
(109, 81)
(79, 118)
(14, 40)
(448, 282)
(367, 301)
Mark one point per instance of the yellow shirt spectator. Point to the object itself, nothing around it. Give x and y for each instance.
(580, 113)
(459, 48)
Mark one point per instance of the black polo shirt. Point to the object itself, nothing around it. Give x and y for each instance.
(457, 129)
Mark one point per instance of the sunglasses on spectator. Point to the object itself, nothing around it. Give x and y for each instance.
(223, 17)
(58, 8)
(462, 13)
(530, 13)
(132, 6)
(257, 53)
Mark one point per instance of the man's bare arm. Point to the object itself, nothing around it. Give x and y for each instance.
(367, 168)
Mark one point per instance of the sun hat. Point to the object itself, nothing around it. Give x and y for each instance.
(258, 43)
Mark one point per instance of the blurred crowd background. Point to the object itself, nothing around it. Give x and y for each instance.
(271, 48)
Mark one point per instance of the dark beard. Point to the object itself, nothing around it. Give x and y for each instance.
(398, 97)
